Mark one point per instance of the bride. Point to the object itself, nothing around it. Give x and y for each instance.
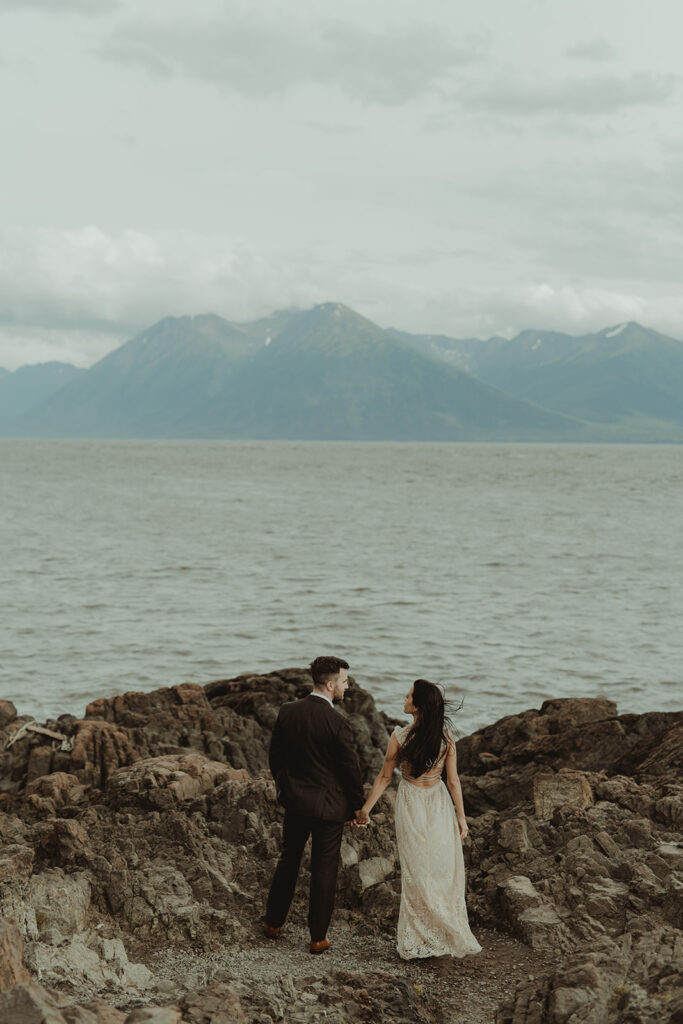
(433, 917)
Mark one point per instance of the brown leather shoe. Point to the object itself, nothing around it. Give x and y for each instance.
(320, 947)
(271, 932)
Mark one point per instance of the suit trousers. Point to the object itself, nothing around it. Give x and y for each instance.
(326, 837)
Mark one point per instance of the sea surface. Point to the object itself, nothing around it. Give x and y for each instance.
(508, 573)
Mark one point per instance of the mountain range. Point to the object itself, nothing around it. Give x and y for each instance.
(28, 386)
(328, 373)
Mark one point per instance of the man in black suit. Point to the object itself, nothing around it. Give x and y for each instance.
(315, 767)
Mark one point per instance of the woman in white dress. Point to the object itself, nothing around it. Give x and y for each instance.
(430, 827)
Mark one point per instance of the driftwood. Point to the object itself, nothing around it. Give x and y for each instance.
(66, 741)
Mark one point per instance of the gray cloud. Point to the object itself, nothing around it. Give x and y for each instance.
(470, 170)
(258, 59)
(594, 96)
(23, 344)
(87, 7)
(607, 220)
(74, 295)
(96, 282)
(597, 49)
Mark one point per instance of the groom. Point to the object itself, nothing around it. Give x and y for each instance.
(318, 782)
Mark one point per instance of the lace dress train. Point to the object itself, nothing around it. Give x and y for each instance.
(433, 916)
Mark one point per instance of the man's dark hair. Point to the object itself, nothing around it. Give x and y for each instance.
(324, 668)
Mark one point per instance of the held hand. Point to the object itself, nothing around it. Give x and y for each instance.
(362, 818)
(462, 825)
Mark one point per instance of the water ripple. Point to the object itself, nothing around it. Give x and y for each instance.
(556, 571)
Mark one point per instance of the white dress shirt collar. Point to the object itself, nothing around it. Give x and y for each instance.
(314, 693)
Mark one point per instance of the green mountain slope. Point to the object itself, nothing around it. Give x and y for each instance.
(628, 378)
(332, 374)
(28, 386)
(144, 387)
(326, 373)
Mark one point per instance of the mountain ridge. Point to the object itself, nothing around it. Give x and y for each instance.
(330, 373)
(26, 387)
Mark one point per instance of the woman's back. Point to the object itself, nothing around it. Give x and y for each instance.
(433, 773)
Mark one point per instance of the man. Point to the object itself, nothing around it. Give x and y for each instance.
(318, 781)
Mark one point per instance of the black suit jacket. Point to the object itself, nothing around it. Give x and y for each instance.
(313, 761)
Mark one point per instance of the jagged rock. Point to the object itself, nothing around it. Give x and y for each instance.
(59, 900)
(374, 870)
(39, 761)
(8, 713)
(228, 721)
(100, 748)
(348, 855)
(666, 757)
(672, 853)
(582, 733)
(173, 719)
(29, 1003)
(511, 738)
(12, 970)
(95, 1012)
(168, 833)
(566, 787)
(218, 1004)
(638, 980)
(382, 903)
(513, 835)
(88, 960)
(162, 782)
(157, 894)
(669, 808)
(534, 919)
(16, 863)
(500, 789)
(55, 791)
(155, 1015)
(63, 841)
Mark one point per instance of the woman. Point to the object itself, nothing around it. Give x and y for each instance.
(433, 917)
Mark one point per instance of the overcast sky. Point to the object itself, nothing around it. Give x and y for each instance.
(467, 169)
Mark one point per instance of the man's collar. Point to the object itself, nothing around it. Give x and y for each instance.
(314, 693)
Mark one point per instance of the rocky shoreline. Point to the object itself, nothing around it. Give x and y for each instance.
(136, 845)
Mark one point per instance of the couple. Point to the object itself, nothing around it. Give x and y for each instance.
(318, 782)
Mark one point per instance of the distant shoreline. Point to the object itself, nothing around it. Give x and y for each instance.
(617, 443)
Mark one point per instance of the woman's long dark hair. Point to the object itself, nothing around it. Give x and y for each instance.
(427, 736)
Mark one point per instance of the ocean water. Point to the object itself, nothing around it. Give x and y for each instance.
(508, 573)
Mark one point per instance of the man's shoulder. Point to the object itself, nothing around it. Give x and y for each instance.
(301, 706)
(310, 707)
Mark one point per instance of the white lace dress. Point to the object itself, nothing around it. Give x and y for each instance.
(433, 917)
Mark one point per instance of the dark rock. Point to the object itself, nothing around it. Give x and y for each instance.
(583, 733)
(565, 788)
(155, 1015)
(637, 979)
(160, 828)
(218, 1004)
(29, 1003)
(12, 970)
(16, 863)
(165, 782)
(8, 713)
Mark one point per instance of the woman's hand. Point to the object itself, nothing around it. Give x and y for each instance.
(362, 817)
(462, 825)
